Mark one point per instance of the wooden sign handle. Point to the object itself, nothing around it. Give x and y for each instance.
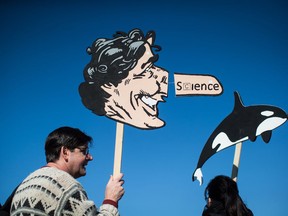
(118, 148)
(236, 161)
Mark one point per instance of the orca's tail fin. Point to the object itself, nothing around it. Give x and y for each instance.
(198, 175)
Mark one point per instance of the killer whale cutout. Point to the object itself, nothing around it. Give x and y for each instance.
(243, 123)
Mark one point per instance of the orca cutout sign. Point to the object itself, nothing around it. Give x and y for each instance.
(244, 123)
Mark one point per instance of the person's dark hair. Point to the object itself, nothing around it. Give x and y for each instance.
(68, 137)
(224, 195)
(111, 61)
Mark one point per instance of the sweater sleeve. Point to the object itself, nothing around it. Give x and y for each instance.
(79, 204)
(109, 207)
(108, 210)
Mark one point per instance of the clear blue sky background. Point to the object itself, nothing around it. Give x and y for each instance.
(243, 43)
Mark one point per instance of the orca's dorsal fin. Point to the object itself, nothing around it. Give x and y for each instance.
(238, 102)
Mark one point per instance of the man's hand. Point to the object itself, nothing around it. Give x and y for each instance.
(114, 190)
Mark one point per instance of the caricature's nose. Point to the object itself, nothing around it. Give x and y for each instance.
(162, 80)
(160, 74)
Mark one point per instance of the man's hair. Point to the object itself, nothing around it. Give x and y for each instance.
(68, 137)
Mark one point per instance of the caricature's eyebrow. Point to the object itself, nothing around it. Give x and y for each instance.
(150, 60)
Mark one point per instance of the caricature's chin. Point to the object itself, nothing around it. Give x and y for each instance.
(154, 123)
(148, 122)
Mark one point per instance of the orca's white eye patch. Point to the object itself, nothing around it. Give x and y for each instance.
(267, 113)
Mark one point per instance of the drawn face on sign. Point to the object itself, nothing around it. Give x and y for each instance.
(122, 81)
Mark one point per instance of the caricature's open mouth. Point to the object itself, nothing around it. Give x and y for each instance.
(149, 103)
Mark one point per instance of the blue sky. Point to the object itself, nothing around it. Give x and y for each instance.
(242, 43)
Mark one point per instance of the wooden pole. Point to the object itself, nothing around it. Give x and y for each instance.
(118, 148)
(236, 161)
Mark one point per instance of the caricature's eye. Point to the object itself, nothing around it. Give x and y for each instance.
(140, 75)
(145, 73)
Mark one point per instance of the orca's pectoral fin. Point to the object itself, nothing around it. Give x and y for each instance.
(198, 175)
(266, 136)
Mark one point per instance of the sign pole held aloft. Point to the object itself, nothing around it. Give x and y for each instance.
(118, 148)
(236, 161)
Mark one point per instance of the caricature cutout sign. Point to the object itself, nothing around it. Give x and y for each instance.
(242, 124)
(122, 82)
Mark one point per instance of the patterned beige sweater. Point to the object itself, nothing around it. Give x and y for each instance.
(50, 191)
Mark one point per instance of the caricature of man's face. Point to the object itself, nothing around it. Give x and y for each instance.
(134, 101)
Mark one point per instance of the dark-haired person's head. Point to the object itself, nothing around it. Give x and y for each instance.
(68, 137)
(223, 198)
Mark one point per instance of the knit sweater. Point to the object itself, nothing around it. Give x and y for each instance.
(50, 191)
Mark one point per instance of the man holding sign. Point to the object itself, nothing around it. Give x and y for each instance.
(54, 190)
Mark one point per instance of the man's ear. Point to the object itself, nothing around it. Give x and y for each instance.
(65, 152)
